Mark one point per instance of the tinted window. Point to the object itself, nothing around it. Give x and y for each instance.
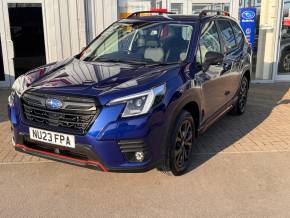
(209, 41)
(238, 33)
(227, 34)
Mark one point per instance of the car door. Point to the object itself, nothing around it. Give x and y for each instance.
(210, 80)
(233, 54)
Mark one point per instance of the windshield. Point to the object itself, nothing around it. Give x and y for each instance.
(141, 43)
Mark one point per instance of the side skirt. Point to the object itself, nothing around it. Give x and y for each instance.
(218, 115)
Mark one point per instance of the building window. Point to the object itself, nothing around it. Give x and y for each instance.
(2, 75)
(126, 7)
(177, 8)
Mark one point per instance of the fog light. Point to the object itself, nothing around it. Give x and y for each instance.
(139, 155)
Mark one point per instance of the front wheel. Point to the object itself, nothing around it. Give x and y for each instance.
(180, 151)
(240, 106)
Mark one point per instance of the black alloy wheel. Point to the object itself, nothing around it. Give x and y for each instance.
(286, 63)
(243, 95)
(240, 106)
(182, 144)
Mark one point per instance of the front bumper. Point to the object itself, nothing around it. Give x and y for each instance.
(61, 158)
(105, 145)
(83, 155)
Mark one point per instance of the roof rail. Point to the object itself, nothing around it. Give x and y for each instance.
(135, 14)
(218, 12)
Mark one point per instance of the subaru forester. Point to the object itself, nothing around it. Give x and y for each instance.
(137, 96)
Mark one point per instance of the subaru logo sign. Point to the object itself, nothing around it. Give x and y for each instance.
(53, 103)
(248, 15)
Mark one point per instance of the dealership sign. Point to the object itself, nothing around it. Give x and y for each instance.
(248, 17)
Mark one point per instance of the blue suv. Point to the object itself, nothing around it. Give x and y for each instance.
(137, 96)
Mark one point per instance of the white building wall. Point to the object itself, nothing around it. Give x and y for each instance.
(99, 15)
(64, 28)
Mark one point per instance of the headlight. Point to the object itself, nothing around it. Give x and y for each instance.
(142, 102)
(19, 85)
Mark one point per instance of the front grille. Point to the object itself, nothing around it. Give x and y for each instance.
(75, 116)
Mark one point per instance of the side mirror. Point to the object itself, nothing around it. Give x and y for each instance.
(212, 58)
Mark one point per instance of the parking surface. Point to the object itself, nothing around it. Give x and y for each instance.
(241, 168)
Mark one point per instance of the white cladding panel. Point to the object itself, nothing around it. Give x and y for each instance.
(65, 31)
(100, 14)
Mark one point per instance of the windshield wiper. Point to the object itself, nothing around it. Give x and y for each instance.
(162, 63)
(118, 61)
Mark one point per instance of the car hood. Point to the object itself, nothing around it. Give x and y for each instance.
(73, 76)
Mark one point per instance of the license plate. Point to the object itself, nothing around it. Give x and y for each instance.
(52, 137)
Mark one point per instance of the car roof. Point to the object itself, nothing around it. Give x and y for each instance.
(173, 17)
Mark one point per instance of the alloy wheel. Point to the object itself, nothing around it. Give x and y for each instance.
(243, 95)
(286, 63)
(183, 145)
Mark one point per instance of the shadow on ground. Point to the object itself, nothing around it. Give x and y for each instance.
(263, 98)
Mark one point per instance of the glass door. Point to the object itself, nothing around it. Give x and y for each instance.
(27, 35)
(22, 38)
(284, 52)
(2, 74)
(6, 51)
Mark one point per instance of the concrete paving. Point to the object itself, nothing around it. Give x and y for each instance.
(241, 169)
(228, 185)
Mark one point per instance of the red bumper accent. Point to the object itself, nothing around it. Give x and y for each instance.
(90, 162)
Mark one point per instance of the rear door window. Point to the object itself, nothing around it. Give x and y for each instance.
(238, 33)
(227, 35)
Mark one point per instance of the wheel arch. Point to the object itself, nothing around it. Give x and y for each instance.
(193, 108)
(247, 74)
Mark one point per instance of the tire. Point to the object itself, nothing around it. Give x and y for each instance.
(240, 106)
(180, 146)
(284, 65)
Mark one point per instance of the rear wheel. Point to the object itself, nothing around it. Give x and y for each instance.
(240, 106)
(284, 64)
(180, 148)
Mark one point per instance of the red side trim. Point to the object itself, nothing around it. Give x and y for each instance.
(64, 157)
